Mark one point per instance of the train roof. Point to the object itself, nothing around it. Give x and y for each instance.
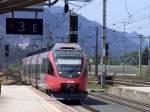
(57, 46)
(67, 46)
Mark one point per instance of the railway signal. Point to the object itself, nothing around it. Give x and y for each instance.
(73, 28)
(6, 50)
(107, 52)
(66, 7)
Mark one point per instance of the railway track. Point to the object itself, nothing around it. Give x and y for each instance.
(131, 83)
(80, 106)
(122, 101)
(89, 107)
(127, 83)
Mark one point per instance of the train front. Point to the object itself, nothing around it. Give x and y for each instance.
(71, 74)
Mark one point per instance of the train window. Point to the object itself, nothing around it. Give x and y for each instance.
(24, 68)
(33, 71)
(85, 71)
(36, 68)
(50, 68)
(27, 69)
(44, 65)
(42, 68)
(47, 67)
(26, 72)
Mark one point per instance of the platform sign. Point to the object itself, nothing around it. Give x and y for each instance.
(24, 26)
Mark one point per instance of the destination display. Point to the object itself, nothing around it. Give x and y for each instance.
(24, 26)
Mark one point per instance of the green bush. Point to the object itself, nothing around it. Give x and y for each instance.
(114, 62)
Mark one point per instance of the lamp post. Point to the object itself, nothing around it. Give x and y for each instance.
(96, 51)
(140, 55)
(124, 26)
(104, 44)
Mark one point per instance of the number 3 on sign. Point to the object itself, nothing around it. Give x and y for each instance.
(21, 26)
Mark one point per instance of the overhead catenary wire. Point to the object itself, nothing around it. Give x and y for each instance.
(127, 9)
(134, 14)
(137, 26)
(137, 20)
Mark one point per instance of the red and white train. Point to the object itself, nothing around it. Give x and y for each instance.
(60, 70)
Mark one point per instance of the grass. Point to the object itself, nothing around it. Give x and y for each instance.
(94, 85)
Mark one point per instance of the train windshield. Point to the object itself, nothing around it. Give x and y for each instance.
(69, 63)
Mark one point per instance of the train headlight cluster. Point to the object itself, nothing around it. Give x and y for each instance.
(79, 73)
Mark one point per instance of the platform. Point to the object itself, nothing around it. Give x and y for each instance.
(140, 94)
(27, 99)
(138, 89)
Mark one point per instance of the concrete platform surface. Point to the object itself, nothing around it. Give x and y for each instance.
(140, 94)
(139, 89)
(27, 99)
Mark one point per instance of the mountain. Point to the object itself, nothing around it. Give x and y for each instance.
(87, 34)
(135, 37)
(56, 29)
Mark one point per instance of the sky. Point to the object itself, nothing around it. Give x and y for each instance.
(135, 14)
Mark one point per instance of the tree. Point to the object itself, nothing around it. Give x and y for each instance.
(145, 56)
(114, 62)
(131, 58)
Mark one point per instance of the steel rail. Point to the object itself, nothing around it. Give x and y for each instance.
(89, 108)
(133, 105)
(131, 101)
(131, 83)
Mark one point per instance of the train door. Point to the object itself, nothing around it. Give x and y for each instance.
(27, 75)
(37, 71)
(34, 70)
(41, 76)
(24, 70)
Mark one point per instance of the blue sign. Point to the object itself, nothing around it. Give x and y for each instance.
(24, 26)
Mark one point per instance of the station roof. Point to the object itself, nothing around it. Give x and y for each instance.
(12, 5)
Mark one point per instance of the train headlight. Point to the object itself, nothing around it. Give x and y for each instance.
(79, 73)
(60, 72)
